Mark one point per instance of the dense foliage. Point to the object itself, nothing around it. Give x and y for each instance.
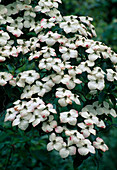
(104, 14)
(58, 85)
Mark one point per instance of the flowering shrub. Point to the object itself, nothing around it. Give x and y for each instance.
(66, 80)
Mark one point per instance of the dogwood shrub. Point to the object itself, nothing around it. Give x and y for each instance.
(66, 80)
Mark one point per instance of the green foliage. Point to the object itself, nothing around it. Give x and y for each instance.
(104, 14)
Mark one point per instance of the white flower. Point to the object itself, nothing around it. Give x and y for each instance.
(75, 97)
(33, 43)
(46, 63)
(56, 65)
(86, 19)
(28, 21)
(47, 52)
(87, 129)
(12, 82)
(93, 56)
(4, 37)
(27, 93)
(81, 41)
(36, 26)
(50, 108)
(36, 118)
(74, 70)
(69, 26)
(64, 96)
(30, 13)
(15, 31)
(94, 108)
(3, 9)
(74, 136)
(99, 144)
(67, 150)
(96, 78)
(38, 88)
(34, 55)
(56, 142)
(69, 117)
(27, 77)
(113, 58)
(89, 117)
(71, 82)
(101, 124)
(22, 123)
(68, 53)
(4, 77)
(106, 110)
(85, 147)
(64, 101)
(12, 9)
(55, 13)
(50, 38)
(48, 85)
(59, 129)
(111, 75)
(49, 125)
(47, 23)
(17, 23)
(85, 66)
(11, 114)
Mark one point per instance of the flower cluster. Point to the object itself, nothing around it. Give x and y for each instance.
(69, 71)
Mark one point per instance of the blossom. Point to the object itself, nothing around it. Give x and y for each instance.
(47, 23)
(4, 37)
(85, 147)
(87, 129)
(17, 23)
(33, 43)
(67, 150)
(69, 117)
(68, 53)
(11, 9)
(36, 118)
(96, 78)
(74, 136)
(28, 21)
(55, 13)
(15, 31)
(10, 115)
(27, 77)
(66, 97)
(56, 142)
(21, 122)
(4, 77)
(111, 75)
(34, 55)
(85, 66)
(69, 26)
(99, 144)
(90, 118)
(47, 52)
(49, 125)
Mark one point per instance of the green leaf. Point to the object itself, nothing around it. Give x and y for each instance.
(25, 67)
(102, 96)
(113, 99)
